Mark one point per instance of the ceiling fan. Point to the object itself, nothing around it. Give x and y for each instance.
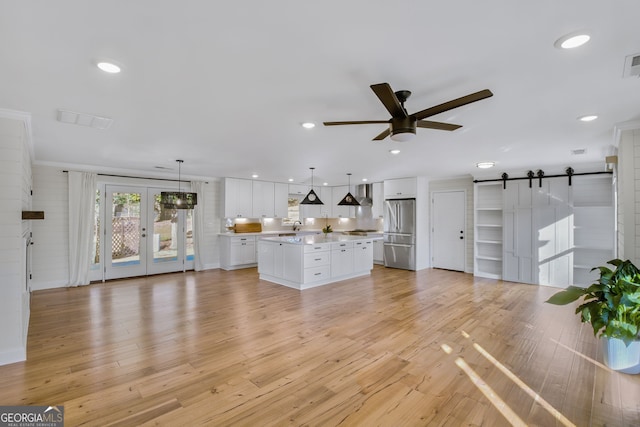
(402, 125)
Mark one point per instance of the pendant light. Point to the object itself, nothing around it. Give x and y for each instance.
(178, 199)
(349, 200)
(311, 198)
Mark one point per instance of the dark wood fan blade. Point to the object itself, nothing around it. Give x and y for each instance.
(436, 125)
(389, 99)
(382, 136)
(361, 122)
(453, 104)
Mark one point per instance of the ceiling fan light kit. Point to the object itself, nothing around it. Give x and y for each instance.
(402, 125)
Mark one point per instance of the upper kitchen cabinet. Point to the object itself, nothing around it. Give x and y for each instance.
(337, 194)
(402, 188)
(377, 209)
(280, 200)
(238, 198)
(263, 199)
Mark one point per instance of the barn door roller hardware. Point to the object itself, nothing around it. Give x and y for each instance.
(569, 172)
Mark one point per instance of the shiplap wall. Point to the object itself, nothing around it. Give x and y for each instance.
(460, 184)
(51, 250)
(13, 186)
(50, 253)
(628, 188)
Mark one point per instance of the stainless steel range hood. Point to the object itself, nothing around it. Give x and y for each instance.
(363, 194)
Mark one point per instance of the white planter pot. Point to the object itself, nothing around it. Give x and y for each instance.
(620, 357)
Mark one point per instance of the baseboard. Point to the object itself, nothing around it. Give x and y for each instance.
(13, 355)
(48, 285)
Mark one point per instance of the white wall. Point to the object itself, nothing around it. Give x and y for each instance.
(51, 236)
(50, 267)
(460, 184)
(628, 187)
(14, 197)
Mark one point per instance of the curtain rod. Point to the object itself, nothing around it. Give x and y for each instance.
(138, 177)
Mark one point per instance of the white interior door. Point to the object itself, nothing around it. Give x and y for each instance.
(448, 230)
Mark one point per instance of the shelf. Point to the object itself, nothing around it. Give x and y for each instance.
(489, 225)
(582, 267)
(489, 258)
(32, 214)
(490, 242)
(490, 208)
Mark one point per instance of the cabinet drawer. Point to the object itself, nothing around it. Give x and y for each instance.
(341, 245)
(316, 259)
(316, 248)
(237, 240)
(317, 273)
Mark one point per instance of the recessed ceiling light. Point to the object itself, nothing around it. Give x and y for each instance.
(308, 125)
(588, 118)
(109, 67)
(255, 175)
(325, 183)
(290, 179)
(572, 40)
(364, 180)
(485, 165)
(394, 151)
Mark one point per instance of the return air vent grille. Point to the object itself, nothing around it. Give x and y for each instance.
(82, 119)
(632, 65)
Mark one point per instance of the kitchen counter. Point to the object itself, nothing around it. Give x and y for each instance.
(303, 262)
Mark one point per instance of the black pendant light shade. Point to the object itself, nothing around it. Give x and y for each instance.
(311, 198)
(349, 200)
(178, 199)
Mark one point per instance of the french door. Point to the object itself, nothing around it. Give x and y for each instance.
(143, 237)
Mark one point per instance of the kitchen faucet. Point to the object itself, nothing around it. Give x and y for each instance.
(297, 225)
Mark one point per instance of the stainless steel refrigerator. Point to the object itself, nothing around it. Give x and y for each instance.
(400, 233)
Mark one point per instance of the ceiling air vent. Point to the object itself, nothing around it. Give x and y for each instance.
(82, 119)
(579, 151)
(632, 66)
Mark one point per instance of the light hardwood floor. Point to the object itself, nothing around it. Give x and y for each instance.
(398, 348)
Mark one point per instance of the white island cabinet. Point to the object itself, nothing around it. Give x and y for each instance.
(309, 261)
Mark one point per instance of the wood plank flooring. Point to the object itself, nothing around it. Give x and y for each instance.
(399, 348)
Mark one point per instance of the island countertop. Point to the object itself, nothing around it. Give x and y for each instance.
(316, 239)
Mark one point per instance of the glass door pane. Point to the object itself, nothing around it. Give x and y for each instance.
(166, 251)
(126, 232)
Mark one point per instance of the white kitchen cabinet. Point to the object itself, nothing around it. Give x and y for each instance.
(342, 262)
(363, 255)
(280, 260)
(337, 194)
(402, 188)
(280, 200)
(378, 252)
(237, 252)
(238, 198)
(263, 197)
(377, 209)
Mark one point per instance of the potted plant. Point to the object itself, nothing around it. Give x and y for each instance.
(612, 307)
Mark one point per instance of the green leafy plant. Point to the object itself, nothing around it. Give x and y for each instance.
(612, 304)
(327, 229)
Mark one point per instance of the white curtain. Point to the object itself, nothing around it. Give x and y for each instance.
(82, 200)
(198, 187)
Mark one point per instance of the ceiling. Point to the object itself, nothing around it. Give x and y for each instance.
(225, 86)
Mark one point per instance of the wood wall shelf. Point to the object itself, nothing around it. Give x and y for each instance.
(32, 214)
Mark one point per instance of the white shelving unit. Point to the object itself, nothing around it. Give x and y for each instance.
(488, 230)
(593, 226)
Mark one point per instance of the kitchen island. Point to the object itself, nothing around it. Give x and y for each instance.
(304, 262)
